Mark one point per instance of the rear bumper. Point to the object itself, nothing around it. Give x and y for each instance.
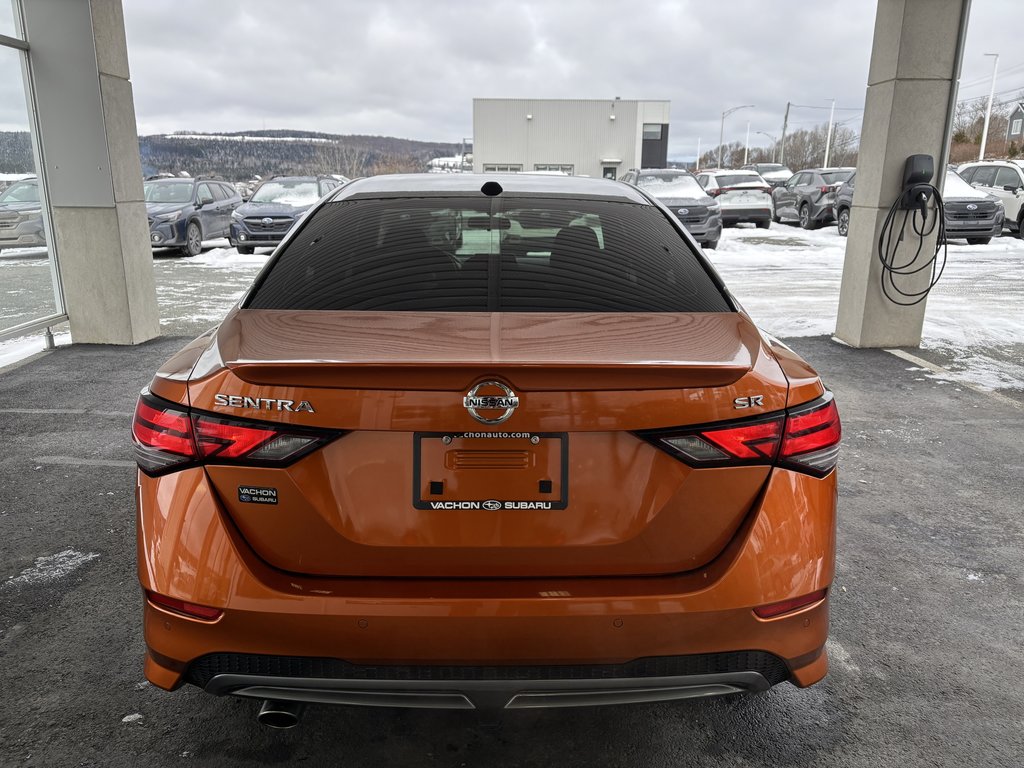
(503, 635)
(738, 215)
(329, 681)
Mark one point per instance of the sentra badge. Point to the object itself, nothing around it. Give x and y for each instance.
(262, 403)
(496, 406)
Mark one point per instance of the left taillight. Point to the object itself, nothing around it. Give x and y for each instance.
(162, 434)
(169, 437)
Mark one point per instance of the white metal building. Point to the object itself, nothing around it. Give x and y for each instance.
(581, 137)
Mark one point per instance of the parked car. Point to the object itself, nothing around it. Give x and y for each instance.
(843, 204)
(775, 174)
(808, 197)
(971, 213)
(681, 193)
(341, 497)
(185, 211)
(742, 195)
(1005, 180)
(275, 205)
(21, 215)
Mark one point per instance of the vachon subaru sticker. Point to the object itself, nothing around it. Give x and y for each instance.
(251, 494)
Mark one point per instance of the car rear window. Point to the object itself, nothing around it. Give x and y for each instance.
(835, 177)
(732, 179)
(478, 255)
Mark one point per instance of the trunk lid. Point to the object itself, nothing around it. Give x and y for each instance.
(419, 487)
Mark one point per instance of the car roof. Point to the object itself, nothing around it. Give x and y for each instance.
(512, 184)
(738, 170)
(1009, 163)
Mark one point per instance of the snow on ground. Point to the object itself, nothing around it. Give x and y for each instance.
(788, 280)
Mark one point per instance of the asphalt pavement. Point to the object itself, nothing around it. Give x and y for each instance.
(927, 611)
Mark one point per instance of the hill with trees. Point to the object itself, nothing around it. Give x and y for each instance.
(239, 156)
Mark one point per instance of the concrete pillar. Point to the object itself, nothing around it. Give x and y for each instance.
(89, 147)
(915, 62)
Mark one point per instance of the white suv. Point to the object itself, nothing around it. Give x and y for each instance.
(1005, 180)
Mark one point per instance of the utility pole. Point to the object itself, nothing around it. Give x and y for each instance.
(782, 144)
(828, 137)
(746, 145)
(697, 164)
(988, 112)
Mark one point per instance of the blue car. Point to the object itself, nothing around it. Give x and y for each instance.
(274, 207)
(184, 211)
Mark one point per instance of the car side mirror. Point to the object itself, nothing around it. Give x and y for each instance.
(1011, 187)
(204, 201)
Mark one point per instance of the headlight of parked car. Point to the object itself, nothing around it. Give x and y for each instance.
(237, 216)
(173, 216)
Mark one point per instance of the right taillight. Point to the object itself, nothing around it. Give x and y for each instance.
(169, 437)
(811, 439)
(805, 438)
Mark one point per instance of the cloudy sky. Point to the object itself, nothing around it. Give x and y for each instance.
(411, 68)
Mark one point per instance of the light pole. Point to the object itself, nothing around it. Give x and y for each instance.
(828, 138)
(774, 141)
(988, 112)
(746, 144)
(721, 132)
(697, 164)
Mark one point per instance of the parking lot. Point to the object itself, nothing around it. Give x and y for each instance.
(926, 603)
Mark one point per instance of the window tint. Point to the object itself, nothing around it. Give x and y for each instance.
(835, 177)
(1007, 177)
(732, 179)
(985, 175)
(218, 193)
(967, 173)
(204, 193)
(458, 255)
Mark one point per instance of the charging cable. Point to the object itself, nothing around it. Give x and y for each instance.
(914, 203)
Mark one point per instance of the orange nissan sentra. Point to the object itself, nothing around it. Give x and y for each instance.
(490, 442)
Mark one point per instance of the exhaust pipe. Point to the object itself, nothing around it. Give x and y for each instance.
(280, 714)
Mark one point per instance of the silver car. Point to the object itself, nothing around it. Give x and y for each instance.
(679, 191)
(743, 196)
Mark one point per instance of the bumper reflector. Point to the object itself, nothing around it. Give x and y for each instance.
(191, 610)
(777, 609)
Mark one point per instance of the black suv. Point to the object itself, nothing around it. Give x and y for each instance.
(809, 196)
(681, 193)
(275, 205)
(183, 212)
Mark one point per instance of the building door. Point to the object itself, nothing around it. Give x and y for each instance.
(608, 172)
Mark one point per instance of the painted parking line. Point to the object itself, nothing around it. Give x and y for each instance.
(79, 462)
(67, 412)
(938, 370)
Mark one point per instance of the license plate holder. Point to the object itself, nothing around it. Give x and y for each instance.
(490, 471)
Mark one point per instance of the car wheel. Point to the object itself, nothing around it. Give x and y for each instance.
(843, 222)
(710, 245)
(763, 224)
(979, 240)
(776, 218)
(245, 250)
(193, 240)
(806, 222)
